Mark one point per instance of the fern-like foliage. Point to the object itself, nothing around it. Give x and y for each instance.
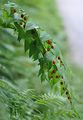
(26, 105)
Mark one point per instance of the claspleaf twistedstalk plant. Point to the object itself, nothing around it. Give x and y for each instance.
(40, 45)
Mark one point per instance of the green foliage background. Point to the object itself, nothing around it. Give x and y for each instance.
(20, 70)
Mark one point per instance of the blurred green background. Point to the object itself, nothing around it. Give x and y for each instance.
(18, 68)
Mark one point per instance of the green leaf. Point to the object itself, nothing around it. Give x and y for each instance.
(26, 45)
(30, 26)
(20, 30)
(19, 37)
(35, 34)
(28, 40)
(44, 36)
(32, 49)
(53, 82)
(49, 56)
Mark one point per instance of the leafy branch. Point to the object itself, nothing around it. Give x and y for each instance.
(40, 45)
